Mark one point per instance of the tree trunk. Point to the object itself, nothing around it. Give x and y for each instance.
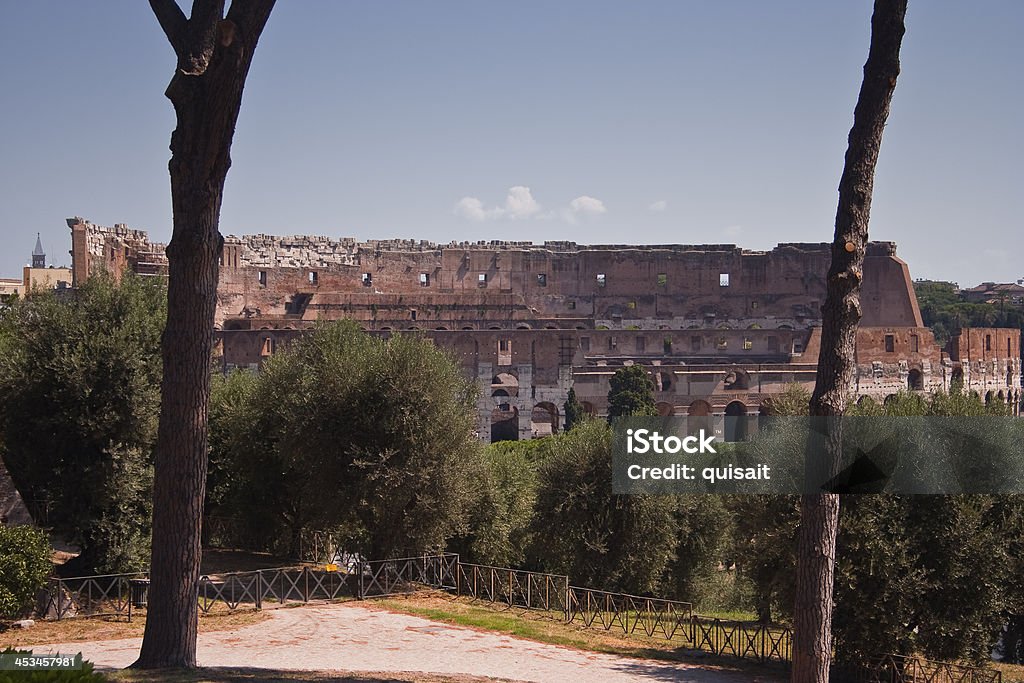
(214, 54)
(841, 313)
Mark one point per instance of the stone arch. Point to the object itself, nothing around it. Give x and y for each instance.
(1009, 376)
(504, 423)
(523, 326)
(467, 328)
(889, 399)
(1001, 396)
(915, 380)
(988, 397)
(441, 328)
(494, 327)
(664, 409)
(544, 419)
(506, 382)
(736, 421)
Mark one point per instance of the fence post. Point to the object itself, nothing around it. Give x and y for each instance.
(259, 589)
(305, 573)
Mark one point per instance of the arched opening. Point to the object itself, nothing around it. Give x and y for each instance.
(467, 328)
(589, 408)
(956, 381)
(736, 421)
(544, 419)
(664, 409)
(1009, 376)
(988, 397)
(523, 326)
(1001, 396)
(915, 380)
(494, 327)
(504, 423)
(441, 328)
(698, 417)
(889, 400)
(506, 382)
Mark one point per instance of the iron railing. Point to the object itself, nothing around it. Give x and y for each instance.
(743, 639)
(404, 575)
(901, 669)
(117, 595)
(514, 587)
(629, 613)
(88, 596)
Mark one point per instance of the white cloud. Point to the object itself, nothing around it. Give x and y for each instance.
(471, 208)
(520, 204)
(658, 206)
(587, 205)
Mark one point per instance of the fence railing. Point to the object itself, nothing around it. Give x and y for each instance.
(514, 587)
(744, 639)
(628, 613)
(118, 595)
(404, 575)
(900, 669)
(88, 596)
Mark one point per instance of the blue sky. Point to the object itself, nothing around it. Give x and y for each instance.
(593, 121)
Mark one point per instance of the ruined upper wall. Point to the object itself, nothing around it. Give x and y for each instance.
(707, 285)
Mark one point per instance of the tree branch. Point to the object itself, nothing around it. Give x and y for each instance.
(172, 21)
(250, 16)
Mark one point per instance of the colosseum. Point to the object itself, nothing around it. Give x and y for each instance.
(720, 328)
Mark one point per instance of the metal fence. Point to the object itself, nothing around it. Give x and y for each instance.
(404, 575)
(744, 639)
(899, 669)
(514, 588)
(118, 595)
(628, 613)
(89, 596)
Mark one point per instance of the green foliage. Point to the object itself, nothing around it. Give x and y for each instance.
(703, 527)
(344, 430)
(622, 543)
(631, 392)
(945, 311)
(573, 409)
(501, 521)
(86, 674)
(80, 375)
(24, 567)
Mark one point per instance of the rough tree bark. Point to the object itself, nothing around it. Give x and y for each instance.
(841, 313)
(213, 52)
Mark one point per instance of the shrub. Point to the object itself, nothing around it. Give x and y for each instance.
(24, 565)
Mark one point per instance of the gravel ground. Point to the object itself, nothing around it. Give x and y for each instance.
(350, 637)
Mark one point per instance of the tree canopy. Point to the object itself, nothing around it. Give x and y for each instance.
(342, 429)
(80, 376)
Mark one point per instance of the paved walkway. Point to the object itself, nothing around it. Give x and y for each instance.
(352, 637)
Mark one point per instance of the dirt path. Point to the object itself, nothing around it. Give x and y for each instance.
(350, 637)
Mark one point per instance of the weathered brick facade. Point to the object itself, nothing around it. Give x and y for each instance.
(721, 328)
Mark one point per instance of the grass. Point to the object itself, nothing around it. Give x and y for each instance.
(548, 628)
(106, 628)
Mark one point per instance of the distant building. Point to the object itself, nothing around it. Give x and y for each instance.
(721, 329)
(992, 293)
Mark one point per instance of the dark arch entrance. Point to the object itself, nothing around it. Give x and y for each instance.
(736, 421)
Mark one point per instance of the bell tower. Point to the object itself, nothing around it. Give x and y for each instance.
(38, 255)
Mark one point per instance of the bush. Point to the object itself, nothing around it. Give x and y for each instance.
(24, 566)
(84, 675)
